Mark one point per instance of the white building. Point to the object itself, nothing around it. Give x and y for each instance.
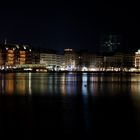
(137, 59)
(52, 60)
(48, 59)
(70, 58)
(60, 60)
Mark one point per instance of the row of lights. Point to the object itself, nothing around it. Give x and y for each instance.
(18, 48)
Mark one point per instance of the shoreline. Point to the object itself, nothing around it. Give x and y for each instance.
(21, 71)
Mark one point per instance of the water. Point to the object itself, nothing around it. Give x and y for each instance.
(70, 105)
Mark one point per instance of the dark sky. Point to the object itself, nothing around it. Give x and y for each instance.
(74, 24)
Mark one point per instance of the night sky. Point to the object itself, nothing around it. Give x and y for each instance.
(68, 24)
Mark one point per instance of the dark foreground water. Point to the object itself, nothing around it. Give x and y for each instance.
(70, 105)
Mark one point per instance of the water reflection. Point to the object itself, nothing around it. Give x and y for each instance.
(20, 83)
(16, 84)
(82, 102)
(69, 84)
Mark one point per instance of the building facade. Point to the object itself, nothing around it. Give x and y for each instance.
(48, 57)
(137, 59)
(70, 59)
(13, 54)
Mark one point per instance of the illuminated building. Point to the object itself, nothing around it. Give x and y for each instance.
(48, 57)
(13, 54)
(89, 61)
(24, 55)
(60, 62)
(108, 62)
(52, 60)
(35, 57)
(2, 55)
(137, 59)
(129, 60)
(7, 54)
(118, 61)
(70, 58)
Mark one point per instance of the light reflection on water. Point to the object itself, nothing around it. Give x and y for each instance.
(72, 98)
(69, 84)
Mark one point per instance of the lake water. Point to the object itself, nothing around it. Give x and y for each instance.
(70, 105)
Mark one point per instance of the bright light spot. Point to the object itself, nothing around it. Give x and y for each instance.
(27, 69)
(93, 69)
(84, 69)
(25, 47)
(17, 46)
(69, 50)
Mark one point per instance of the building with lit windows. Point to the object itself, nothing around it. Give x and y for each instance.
(88, 61)
(48, 57)
(137, 59)
(13, 54)
(24, 54)
(7, 54)
(70, 58)
(60, 62)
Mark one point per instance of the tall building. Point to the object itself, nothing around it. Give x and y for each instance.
(137, 59)
(60, 60)
(70, 58)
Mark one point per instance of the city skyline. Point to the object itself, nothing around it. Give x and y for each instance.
(60, 25)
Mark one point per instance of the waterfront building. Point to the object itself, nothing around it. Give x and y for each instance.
(83, 60)
(70, 57)
(137, 59)
(14, 54)
(35, 57)
(108, 62)
(99, 62)
(129, 60)
(118, 61)
(48, 57)
(60, 62)
(93, 59)
(7, 54)
(24, 54)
